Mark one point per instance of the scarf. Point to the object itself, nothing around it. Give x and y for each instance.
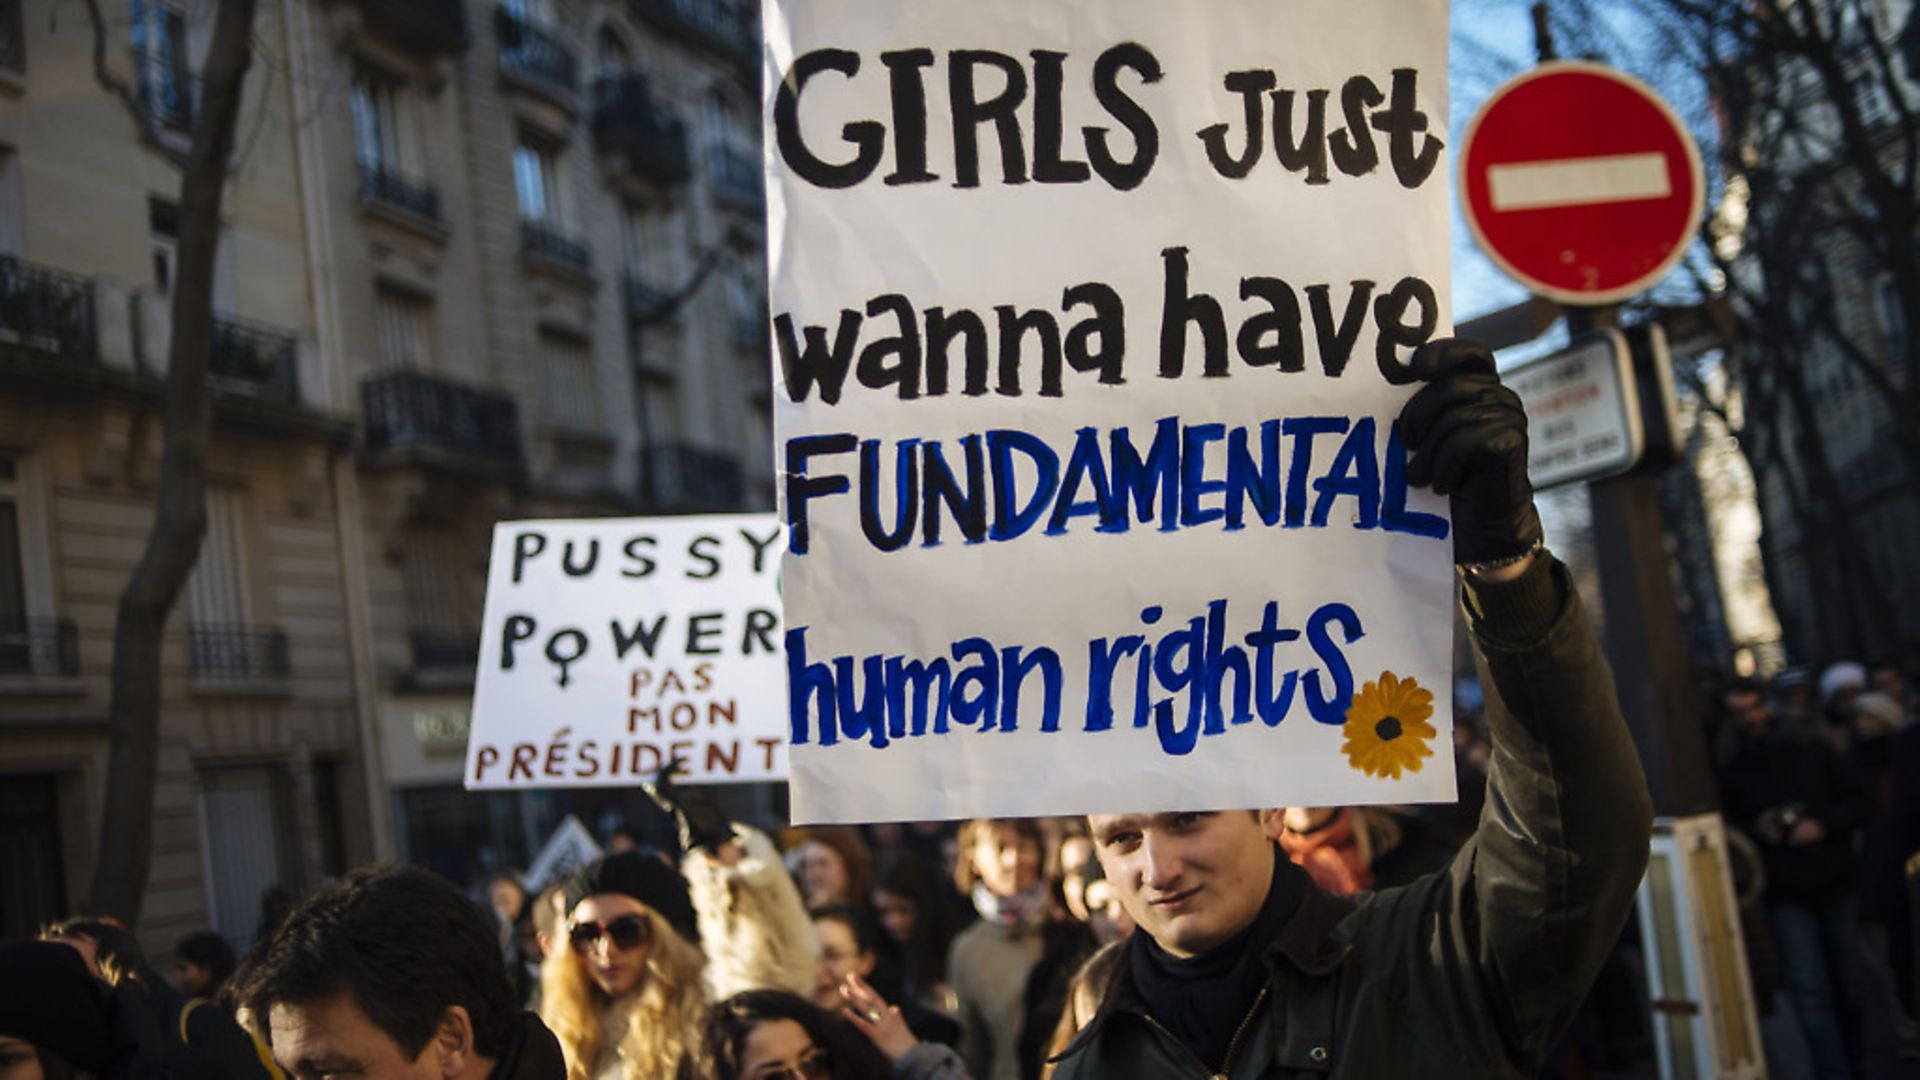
(1202, 999)
(1008, 910)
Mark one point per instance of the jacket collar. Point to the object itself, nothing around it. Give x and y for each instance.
(1308, 942)
(532, 1053)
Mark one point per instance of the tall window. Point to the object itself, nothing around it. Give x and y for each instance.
(725, 130)
(744, 310)
(161, 54)
(640, 246)
(535, 174)
(216, 590)
(13, 575)
(445, 588)
(380, 138)
(570, 397)
(10, 239)
(163, 231)
(29, 643)
(403, 329)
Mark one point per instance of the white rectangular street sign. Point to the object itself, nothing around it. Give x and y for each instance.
(1583, 411)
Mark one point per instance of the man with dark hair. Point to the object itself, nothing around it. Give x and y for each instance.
(201, 962)
(1243, 968)
(393, 973)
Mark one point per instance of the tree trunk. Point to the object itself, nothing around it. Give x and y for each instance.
(180, 520)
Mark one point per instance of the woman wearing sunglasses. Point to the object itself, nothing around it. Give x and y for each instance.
(623, 991)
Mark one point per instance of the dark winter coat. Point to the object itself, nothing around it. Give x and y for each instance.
(1472, 971)
(1806, 774)
(532, 1053)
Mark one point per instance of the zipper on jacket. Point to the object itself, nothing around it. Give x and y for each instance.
(1233, 1045)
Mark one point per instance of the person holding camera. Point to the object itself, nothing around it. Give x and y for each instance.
(1801, 801)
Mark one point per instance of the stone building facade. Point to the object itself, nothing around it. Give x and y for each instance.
(497, 261)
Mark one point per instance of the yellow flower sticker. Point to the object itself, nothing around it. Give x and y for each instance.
(1387, 730)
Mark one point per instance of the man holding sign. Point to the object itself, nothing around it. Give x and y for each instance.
(1095, 329)
(1244, 968)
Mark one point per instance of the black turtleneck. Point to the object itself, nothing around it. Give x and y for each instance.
(1203, 998)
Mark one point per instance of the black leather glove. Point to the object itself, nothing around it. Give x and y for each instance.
(1467, 437)
(702, 823)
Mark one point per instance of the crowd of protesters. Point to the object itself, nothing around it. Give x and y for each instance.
(937, 951)
(933, 950)
(1819, 782)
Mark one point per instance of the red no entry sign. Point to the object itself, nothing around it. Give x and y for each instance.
(1580, 182)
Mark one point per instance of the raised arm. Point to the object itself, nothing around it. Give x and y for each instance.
(1531, 906)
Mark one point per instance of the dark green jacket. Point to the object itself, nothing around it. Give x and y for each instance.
(1472, 971)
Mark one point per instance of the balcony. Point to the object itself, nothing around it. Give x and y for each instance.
(253, 360)
(647, 303)
(630, 123)
(678, 477)
(411, 410)
(219, 653)
(387, 187)
(13, 37)
(38, 648)
(717, 26)
(46, 310)
(532, 55)
(546, 246)
(434, 27)
(736, 180)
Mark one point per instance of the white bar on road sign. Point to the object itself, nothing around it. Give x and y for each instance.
(1537, 185)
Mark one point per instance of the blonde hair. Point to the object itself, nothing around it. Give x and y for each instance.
(663, 1026)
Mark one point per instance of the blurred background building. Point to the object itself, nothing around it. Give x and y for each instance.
(479, 262)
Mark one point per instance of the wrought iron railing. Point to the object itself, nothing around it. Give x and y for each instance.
(231, 653)
(718, 26)
(405, 409)
(676, 476)
(630, 121)
(388, 186)
(646, 302)
(736, 179)
(39, 647)
(539, 240)
(442, 648)
(13, 37)
(535, 53)
(47, 310)
(253, 359)
(432, 26)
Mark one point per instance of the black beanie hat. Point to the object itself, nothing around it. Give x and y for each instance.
(48, 998)
(645, 878)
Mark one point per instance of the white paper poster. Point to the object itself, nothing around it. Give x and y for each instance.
(1090, 325)
(614, 646)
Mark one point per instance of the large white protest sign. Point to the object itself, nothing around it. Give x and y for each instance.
(1091, 322)
(614, 646)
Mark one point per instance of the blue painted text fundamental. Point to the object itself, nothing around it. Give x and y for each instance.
(1191, 680)
(1001, 485)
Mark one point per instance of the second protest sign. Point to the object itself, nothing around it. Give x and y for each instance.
(1091, 323)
